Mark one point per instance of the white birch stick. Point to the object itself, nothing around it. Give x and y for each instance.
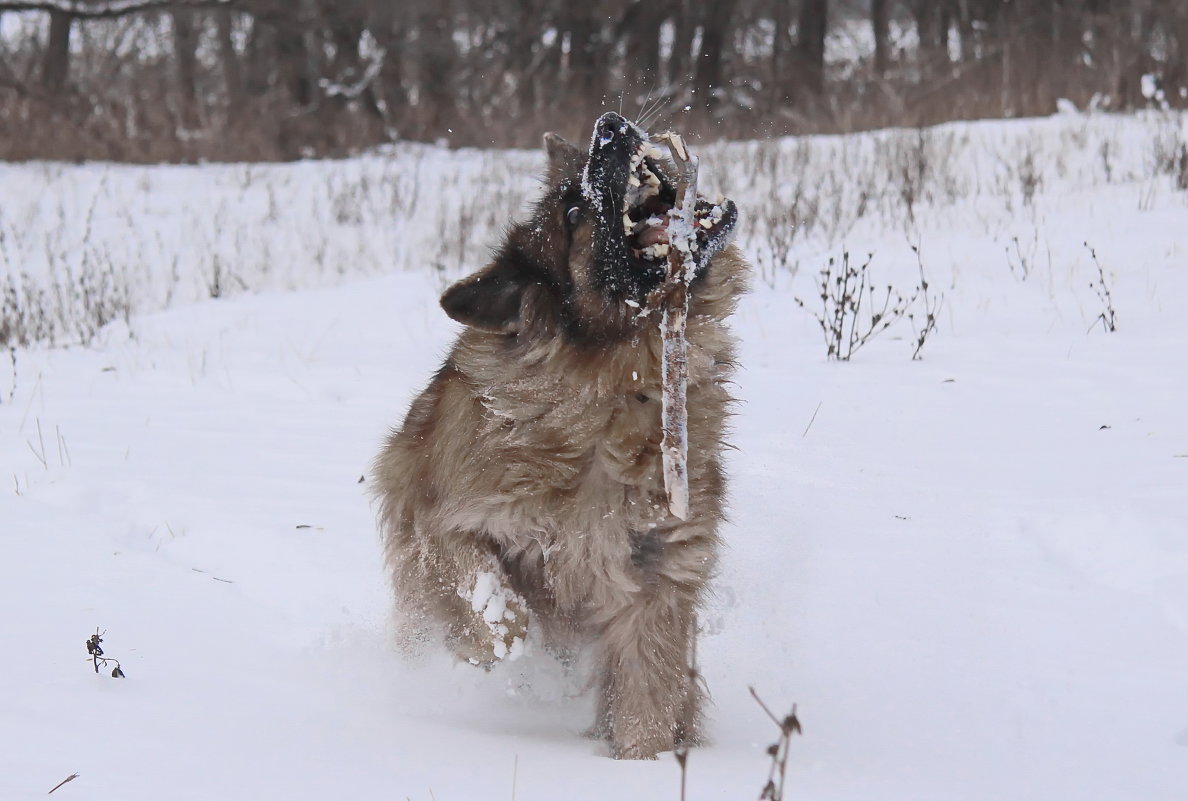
(674, 305)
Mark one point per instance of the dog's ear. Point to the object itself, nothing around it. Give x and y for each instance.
(562, 155)
(492, 299)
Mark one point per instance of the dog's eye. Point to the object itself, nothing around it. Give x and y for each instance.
(571, 216)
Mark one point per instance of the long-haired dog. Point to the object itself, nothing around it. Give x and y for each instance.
(525, 485)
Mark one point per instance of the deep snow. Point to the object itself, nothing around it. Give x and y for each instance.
(969, 572)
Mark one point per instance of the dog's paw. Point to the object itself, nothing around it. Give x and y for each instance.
(636, 739)
(638, 750)
(500, 622)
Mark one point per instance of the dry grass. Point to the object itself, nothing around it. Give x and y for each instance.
(81, 247)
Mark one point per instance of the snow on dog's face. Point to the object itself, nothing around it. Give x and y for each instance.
(596, 245)
(626, 181)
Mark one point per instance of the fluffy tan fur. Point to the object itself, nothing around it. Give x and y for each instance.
(535, 458)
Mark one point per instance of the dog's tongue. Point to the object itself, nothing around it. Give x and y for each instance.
(652, 235)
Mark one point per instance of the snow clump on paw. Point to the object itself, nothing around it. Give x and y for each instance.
(502, 612)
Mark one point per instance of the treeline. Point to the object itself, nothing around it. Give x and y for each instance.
(149, 80)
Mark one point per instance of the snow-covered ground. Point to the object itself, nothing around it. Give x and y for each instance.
(970, 572)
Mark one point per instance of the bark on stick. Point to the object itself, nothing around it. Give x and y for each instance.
(674, 308)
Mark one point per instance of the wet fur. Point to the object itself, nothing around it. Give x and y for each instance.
(534, 455)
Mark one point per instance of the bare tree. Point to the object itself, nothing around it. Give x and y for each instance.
(781, 52)
(185, 46)
(332, 76)
(55, 65)
(229, 61)
(708, 78)
(810, 42)
(879, 23)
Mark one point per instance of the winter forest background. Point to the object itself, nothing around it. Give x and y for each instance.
(152, 80)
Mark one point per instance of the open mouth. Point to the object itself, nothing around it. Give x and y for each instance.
(649, 205)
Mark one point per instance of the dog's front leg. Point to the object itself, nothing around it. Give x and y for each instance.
(466, 590)
(650, 697)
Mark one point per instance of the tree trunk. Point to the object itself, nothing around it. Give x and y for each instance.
(879, 24)
(810, 42)
(684, 31)
(525, 46)
(642, 32)
(55, 65)
(435, 62)
(259, 58)
(931, 31)
(965, 31)
(292, 60)
(782, 83)
(1007, 32)
(707, 78)
(386, 94)
(344, 25)
(229, 62)
(185, 45)
(586, 52)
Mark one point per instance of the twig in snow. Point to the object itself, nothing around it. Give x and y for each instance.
(69, 778)
(811, 419)
(63, 449)
(213, 578)
(41, 441)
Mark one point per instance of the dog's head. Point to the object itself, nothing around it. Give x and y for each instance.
(595, 246)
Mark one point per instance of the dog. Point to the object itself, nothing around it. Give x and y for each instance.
(525, 486)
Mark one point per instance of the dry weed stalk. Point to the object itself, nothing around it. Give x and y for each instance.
(96, 652)
(777, 773)
(1106, 317)
(932, 305)
(852, 313)
(69, 778)
(681, 752)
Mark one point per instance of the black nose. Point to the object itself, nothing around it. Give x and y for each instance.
(609, 126)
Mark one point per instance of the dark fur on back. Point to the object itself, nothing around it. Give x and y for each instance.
(525, 483)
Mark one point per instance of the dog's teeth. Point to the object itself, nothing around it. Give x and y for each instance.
(706, 223)
(628, 226)
(660, 249)
(633, 179)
